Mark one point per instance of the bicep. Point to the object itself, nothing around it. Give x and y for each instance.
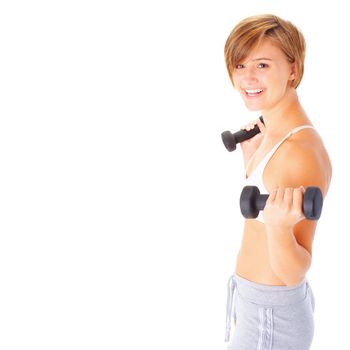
(304, 232)
(302, 169)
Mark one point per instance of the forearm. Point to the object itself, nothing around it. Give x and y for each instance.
(289, 260)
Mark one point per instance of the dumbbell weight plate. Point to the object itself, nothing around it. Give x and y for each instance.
(312, 203)
(229, 140)
(248, 202)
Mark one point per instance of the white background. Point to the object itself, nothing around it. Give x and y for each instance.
(119, 210)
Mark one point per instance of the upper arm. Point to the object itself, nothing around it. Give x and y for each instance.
(296, 166)
(301, 167)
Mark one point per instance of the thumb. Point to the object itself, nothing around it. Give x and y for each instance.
(261, 125)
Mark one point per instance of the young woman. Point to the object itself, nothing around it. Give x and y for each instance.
(273, 302)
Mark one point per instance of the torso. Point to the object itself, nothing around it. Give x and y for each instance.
(253, 259)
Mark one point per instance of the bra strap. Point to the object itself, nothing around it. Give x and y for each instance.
(267, 157)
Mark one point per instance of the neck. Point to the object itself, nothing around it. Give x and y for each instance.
(284, 116)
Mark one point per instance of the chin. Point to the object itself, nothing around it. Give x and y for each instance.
(253, 108)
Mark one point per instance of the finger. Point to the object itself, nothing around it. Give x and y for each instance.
(252, 125)
(298, 195)
(279, 195)
(288, 197)
(246, 127)
(249, 126)
(272, 195)
(261, 126)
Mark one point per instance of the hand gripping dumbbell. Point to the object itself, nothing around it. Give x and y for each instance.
(251, 202)
(230, 140)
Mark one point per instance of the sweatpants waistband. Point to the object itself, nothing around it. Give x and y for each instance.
(261, 294)
(270, 295)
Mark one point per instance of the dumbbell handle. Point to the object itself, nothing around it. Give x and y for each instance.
(230, 140)
(261, 201)
(243, 135)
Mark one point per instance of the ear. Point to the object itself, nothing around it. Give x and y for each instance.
(293, 71)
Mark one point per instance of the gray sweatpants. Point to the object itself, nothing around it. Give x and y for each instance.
(269, 317)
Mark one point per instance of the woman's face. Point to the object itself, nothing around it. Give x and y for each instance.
(264, 77)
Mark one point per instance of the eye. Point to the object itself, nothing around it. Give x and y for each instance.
(239, 66)
(263, 65)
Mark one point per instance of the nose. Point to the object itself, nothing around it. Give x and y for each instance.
(250, 76)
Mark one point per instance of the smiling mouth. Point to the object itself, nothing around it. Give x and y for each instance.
(253, 92)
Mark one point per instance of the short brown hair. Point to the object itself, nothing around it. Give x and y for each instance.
(248, 33)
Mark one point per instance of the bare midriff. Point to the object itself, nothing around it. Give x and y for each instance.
(253, 261)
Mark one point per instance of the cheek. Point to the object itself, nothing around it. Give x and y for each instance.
(235, 81)
(279, 85)
(236, 84)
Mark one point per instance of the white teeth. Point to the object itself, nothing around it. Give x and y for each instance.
(255, 91)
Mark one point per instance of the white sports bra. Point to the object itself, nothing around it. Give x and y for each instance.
(256, 177)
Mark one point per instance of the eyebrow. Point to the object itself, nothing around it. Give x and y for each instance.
(262, 58)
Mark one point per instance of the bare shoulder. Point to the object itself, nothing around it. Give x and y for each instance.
(301, 160)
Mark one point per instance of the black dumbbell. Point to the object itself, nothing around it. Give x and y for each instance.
(230, 140)
(251, 202)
